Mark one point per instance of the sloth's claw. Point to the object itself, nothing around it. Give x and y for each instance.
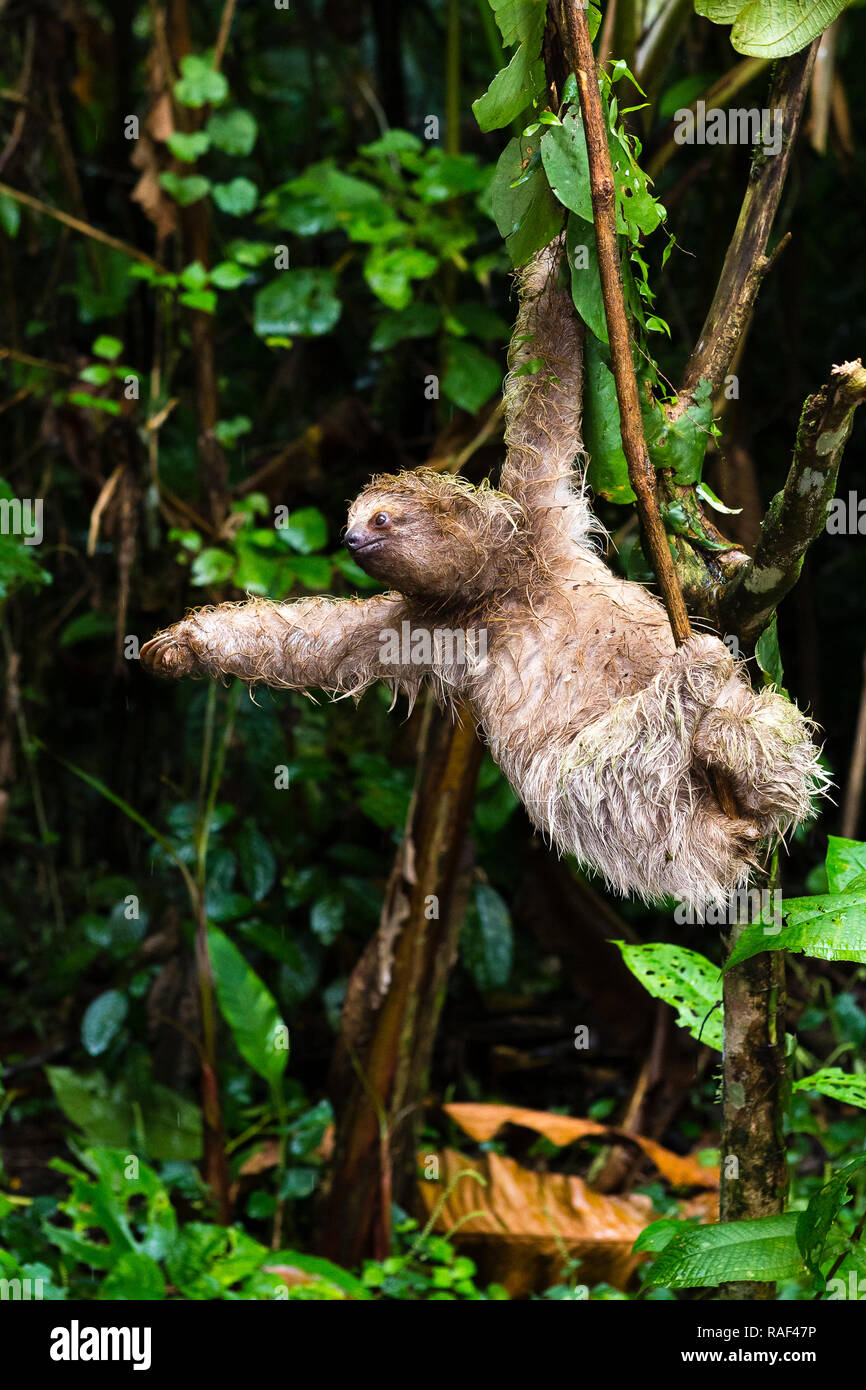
(168, 655)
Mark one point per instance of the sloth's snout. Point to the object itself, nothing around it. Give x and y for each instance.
(354, 539)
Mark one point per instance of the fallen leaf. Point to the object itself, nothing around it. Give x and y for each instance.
(482, 1122)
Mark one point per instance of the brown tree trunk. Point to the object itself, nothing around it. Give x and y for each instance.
(381, 1064)
(754, 1171)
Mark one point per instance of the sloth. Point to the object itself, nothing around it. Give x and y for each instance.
(613, 738)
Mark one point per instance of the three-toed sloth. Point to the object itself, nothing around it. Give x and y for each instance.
(612, 737)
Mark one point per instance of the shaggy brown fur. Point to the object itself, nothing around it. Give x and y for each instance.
(604, 729)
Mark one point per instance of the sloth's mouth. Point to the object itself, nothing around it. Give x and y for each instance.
(374, 544)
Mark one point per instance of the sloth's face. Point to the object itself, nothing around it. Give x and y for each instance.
(402, 538)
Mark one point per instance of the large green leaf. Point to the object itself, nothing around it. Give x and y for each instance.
(299, 303)
(772, 28)
(513, 88)
(566, 163)
(704, 1256)
(607, 473)
(687, 981)
(524, 209)
(829, 926)
(585, 278)
(249, 1009)
(815, 1223)
(846, 860)
(111, 1114)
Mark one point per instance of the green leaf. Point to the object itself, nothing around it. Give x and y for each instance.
(687, 981)
(87, 626)
(108, 1114)
(228, 432)
(249, 1009)
(189, 147)
(133, 1276)
(760, 1251)
(518, 19)
(185, 189)
(828, 926)
(417, 320)
(681, 445)
(389, 272)
(846, 860)
(393, 142)
(313, 571)
(212, 566)
(815, 1223)
(772, 28)
(199, 85)
(837, 1084)
(234, 132)
(299, 303)
(327, 916)
(257, 862)
(608, 470)
(103, 1021)
(527, 215)
(471, 377)
(93, 1105)
(10, 215)
(512, 89)
(586, 293)
(194, 276)
(236, 198)
(203, 300)
(97, 374)
(706, 494)
(325, 1271)
(306, 530)
(566, 163)
(768, 656)
(228, 275)
(487, 939)
(106, 346)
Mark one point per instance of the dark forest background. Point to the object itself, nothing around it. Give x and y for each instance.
(163, 386)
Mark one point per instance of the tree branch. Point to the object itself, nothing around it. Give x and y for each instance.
(578, 52)
(797, 514)
(746, 263)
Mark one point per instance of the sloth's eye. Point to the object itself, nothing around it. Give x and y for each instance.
(381, 519)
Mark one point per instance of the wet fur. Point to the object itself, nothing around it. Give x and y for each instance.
(603, 728)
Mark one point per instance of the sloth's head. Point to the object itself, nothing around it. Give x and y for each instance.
(431, 535)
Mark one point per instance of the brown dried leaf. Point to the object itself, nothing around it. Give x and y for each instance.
(523, 1226)
(482, 1122)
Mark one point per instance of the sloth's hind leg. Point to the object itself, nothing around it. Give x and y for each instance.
(763, 744)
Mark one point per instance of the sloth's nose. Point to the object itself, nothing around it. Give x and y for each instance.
(353, 539)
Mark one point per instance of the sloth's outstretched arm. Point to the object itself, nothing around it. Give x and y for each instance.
(339, 645)
(543, 399)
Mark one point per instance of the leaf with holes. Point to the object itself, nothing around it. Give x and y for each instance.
(837, 1084)
(687, 981)
(815, 1223)
(828, 926)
